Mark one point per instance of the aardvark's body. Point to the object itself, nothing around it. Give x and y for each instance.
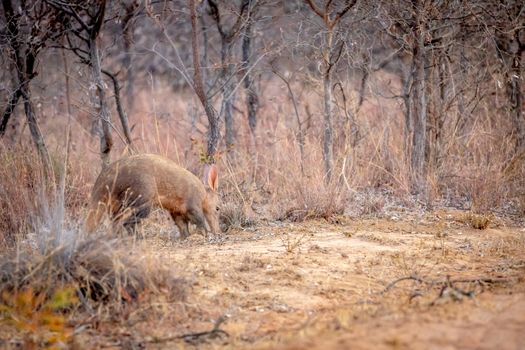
(130, 187)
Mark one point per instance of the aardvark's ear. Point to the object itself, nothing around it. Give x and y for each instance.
(212, 176)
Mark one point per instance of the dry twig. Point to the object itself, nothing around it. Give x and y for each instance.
(448, 290)
(197, 337)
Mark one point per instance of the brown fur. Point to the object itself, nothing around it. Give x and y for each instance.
(129, 188)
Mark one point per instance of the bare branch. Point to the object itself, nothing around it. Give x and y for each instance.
(98, 20)
(348, 5)
(228, 35)
(70, 11)
(316, 9)
(122, 114)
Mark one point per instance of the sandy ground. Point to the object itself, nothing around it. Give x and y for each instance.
(321, 285)
(330, 285)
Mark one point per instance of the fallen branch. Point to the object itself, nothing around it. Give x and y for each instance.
(448, 290)
(195, 338)
(393, 283)
(445, 282)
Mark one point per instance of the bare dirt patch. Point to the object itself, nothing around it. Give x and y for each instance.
(322, 285)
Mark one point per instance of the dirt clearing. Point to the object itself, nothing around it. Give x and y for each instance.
(323, 285)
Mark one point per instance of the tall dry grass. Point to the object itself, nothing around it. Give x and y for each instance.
(23, 186)
(268, 177)
(20, 182)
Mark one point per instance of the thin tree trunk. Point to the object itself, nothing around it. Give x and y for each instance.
(124, 121)
(227, 111)
(204, 60)
(409, 119)
(516, 97)
(63, 173)
(228, 96)
(364, 79)
(213, 120)
(462, 111)
(11, 105)
(330, 21)
(127, 33)
(106, 141)
(36, 134)
(328, 110)
(130, 81)
(442, 72)
(433, 114)
(25, 72)
(227, 75)
(252, 100)
(420, 106)
(12, 37)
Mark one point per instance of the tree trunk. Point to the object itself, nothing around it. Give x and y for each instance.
(227, 111)
(124, 122)
(130, 81)
(11, 105)
(328, 110)
(127, 33)
(364, 79)
(204, 59)
(440, 122)
(106, 141)
(25, 72)
(36, 134)
(420, 106)
(228, 96)
(437, 82)
(515, 93)
(462, 111)
(213, 119)
(13, 38)
(252, 100)
(510, 49)
(409, 119)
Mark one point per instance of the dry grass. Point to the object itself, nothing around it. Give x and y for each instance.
(478, 221)
(100, 269)
(23, 187)
(21, 181)
(267, 177)
(46, 288)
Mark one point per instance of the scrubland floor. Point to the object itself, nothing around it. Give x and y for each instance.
(323, 285)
